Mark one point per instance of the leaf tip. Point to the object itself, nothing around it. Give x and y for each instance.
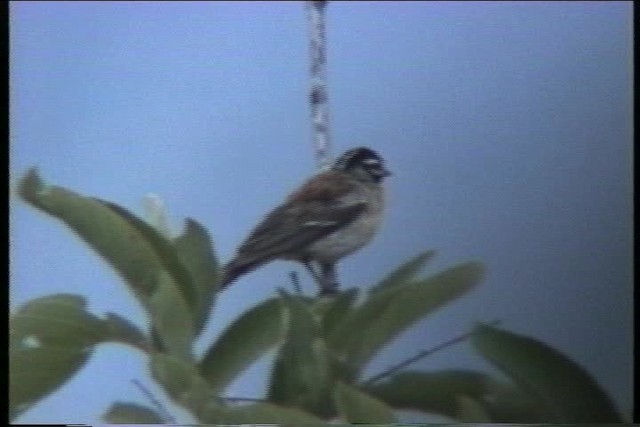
(476, 270)
(30, 184)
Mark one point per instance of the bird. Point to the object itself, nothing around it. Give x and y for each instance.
(331, 215)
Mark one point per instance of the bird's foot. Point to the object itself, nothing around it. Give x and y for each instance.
(329, 289)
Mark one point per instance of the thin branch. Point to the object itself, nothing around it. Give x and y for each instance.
(421, 355)
(295, 282)
(318, 94)
(164, 413)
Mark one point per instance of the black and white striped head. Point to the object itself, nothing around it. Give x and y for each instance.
(362, 162)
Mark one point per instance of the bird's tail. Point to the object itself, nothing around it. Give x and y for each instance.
(233, 270)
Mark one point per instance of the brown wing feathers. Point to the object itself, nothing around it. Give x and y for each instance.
(311, 212)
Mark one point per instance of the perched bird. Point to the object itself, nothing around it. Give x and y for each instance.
(332, 214)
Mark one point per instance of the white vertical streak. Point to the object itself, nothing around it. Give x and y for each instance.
(318, 95)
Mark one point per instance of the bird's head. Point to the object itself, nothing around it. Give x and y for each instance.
(363, 163)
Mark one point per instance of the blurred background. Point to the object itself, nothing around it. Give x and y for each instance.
(508, 126)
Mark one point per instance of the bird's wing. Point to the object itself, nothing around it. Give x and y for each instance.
(313, 211)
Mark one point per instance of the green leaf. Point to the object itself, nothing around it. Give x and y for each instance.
(36, 372)
(405, 306)
(131, 413)
(339, 309)
(182, 381)
(359, 318)
(405, 273)
(243, 342)
(507, 403)
(132, 247)
(171, 318)
(356, 406)
(57, 320)
(566, 391)
(196, 253)
(301, 375)
(438, 393)
(432, 392)
(259, 413)
(173, 373)
(120, 330)
(51, 338)
(167, 255)
(470, 411)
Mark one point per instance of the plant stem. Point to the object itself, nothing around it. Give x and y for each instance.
(164, 413)
(424, 353)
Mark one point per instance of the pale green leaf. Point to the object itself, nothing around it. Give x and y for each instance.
(338, 309)
(170, 263)
(57, 320)
(405, 273)
(131, 413)
(195, 250)
(405, 306)
(182, 382)
(432, 392)
(123, 331)
(301, 375)
(356, 406)
(359, 318)
(171, 318)
(470, 411)
(248, 338)
(51, 338)
(507, 403)
(132, 247)
(565, 390)
(259, 413)
(36, 372)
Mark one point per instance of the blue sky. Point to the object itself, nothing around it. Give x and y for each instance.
(508, 126)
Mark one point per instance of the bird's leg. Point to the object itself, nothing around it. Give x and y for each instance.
(329, 284)
(313, 273)
(327, 280)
